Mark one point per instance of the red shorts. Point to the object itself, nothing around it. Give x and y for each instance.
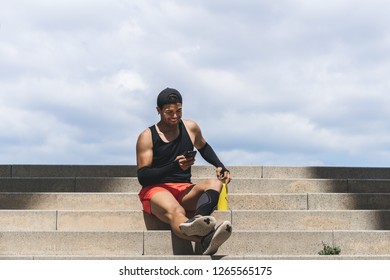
(176, 189)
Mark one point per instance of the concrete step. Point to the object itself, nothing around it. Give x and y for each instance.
(52, 220)
(70, 201)
(128, 184)
(37, 185)
(287, 185)
(275, 185)
(311, 201)
(90, 211)
(162, 243)
(133, 220)
(307, 242)
(240, 185)
(326, 172)
(270, 201)
(41, 243)
(198, 171)
(359, 201)
(130, 201)
(71, 171)
(28, 220)
(5, 171)
(368, 186)
(116, 220)
(80, 184)
(311, 220)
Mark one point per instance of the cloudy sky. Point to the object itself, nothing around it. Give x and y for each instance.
(281, 82)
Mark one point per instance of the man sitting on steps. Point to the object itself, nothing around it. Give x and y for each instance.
(165, 154)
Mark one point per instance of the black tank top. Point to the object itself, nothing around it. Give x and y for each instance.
(164, 153)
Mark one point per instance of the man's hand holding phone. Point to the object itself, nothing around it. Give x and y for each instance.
(187, 159)
(190, 154)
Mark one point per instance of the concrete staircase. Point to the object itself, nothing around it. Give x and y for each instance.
(93, 212)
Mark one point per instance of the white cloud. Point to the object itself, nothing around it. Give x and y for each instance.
(126, 80)
(280, 82)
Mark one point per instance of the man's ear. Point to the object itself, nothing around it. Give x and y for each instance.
(158, 110)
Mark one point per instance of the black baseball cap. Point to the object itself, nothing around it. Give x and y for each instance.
(169, 96)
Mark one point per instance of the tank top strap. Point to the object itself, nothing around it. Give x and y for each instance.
(185, 137)
(155, 136)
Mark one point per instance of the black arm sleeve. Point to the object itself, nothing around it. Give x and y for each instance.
(149, 176)
(210, 156)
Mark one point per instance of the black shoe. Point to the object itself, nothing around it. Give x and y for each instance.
(198, 225)
(211, 242)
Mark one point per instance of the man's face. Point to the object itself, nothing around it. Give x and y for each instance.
(171, 113)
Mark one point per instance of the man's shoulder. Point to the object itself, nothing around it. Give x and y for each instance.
(190, 123)
(146, 133)
(144, 141)
(192, 127)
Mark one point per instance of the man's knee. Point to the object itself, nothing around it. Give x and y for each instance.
(207, 202)
(214, 184)
(175, 211)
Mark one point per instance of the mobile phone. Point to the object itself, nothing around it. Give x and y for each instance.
(190, 154)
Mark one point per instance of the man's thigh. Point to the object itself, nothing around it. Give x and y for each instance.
(163, 203)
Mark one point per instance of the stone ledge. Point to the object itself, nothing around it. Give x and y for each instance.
(324, 172)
